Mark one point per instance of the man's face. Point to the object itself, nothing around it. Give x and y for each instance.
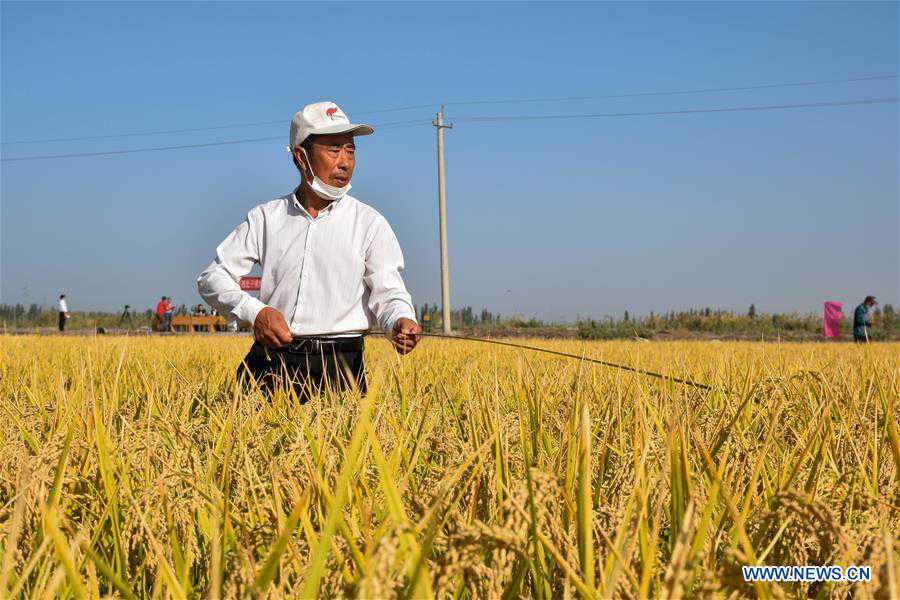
(332, 158)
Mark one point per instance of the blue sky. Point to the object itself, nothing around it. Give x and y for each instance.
(554, 218)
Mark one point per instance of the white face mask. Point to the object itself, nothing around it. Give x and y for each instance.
(322, 189)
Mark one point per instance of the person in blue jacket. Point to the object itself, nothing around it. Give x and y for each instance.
(862, 320)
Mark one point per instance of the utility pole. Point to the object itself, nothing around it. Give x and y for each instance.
(442, 210)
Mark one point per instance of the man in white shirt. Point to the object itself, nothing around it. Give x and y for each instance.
(330, 268)
(63, 312)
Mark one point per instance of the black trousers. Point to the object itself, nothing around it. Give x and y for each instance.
(308, 373)
(62, 321)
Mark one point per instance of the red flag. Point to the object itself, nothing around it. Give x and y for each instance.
(831, 320)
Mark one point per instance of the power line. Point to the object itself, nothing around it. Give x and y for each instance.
(396, 125)
(397, 109)
(135, 150)
(763, 86)
(473, 102)
(680, 112)
(140, 133)
(195, 129)
(483, 119)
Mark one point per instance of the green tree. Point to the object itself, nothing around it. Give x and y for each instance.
(34, 312)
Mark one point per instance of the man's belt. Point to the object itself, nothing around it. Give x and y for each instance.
(318, 345)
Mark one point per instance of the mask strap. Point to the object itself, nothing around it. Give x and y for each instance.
(308, 164)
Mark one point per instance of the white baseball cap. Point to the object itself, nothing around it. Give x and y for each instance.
(323, 118)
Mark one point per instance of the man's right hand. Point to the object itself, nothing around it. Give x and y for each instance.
(270, 329)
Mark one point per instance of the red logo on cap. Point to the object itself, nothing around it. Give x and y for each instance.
(330, 112)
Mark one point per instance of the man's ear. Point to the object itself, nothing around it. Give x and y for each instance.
(302, 159)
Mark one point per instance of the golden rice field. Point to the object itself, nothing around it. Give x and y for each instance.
(130, 467)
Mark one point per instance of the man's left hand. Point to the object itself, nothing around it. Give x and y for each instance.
(405, 335)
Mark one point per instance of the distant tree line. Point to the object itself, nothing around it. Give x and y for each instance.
(35, 316)
(715, 321)
(886, 323)
(431, 315)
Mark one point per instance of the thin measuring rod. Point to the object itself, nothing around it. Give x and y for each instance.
(597, 361)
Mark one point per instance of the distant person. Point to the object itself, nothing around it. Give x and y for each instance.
(170, 311)
(126, 316)
(862, 321)
(309, 323)
(161, 314)
(166, 315)
(63, 312)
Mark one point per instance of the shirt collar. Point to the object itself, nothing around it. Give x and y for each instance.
(330, 208)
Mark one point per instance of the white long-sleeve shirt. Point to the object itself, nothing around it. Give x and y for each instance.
(337, 273)
(62, 305)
